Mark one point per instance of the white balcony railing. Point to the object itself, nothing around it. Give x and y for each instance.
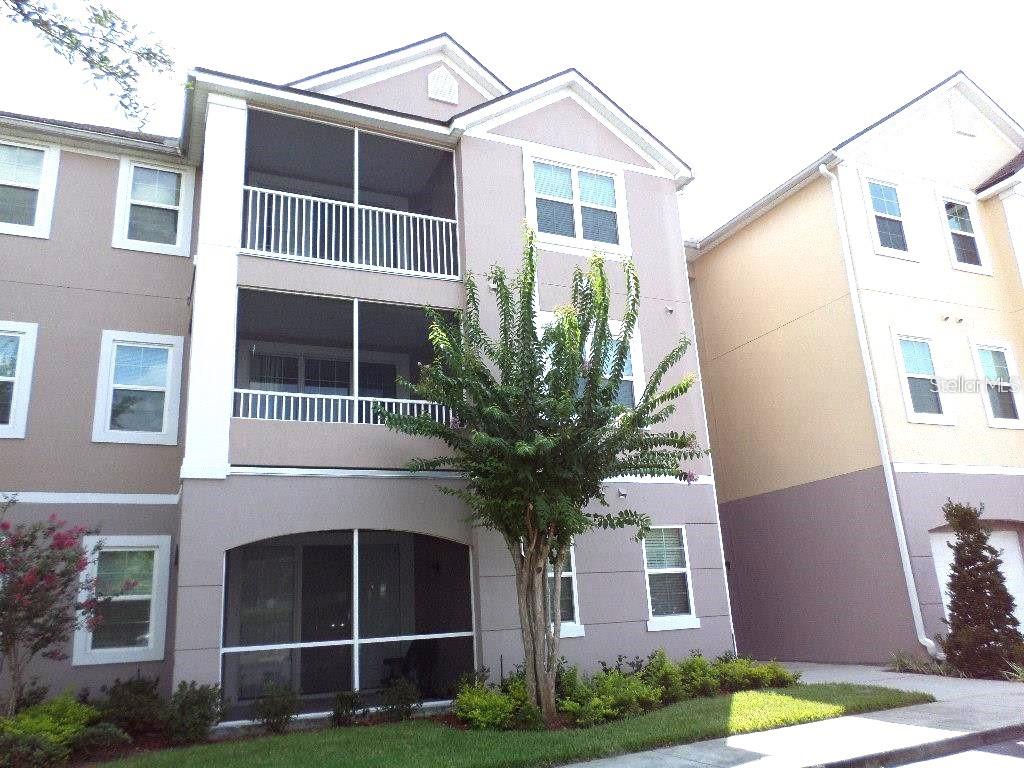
(326, 231)
(327, 409)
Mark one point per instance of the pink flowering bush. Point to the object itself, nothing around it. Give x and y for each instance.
(43, 598)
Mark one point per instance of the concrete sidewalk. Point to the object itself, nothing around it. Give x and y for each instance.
(961, 707)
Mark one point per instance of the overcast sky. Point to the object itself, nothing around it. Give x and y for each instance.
(746, 93)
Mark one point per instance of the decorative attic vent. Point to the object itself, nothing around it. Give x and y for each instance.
(442, 85)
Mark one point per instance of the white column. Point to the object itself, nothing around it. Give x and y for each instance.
(1013, 206)
(215, 295)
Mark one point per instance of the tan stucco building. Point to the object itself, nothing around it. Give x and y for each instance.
(859, 330)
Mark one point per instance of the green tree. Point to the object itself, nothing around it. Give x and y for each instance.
(536, 428)
(107, 46)
(984, 634)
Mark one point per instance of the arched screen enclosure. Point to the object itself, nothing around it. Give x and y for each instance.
(293, 617)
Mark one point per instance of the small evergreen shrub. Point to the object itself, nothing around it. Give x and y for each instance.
(275, 708)
(99, 738)
(192, 712)
(610, 695)
(399, 699)
(59, 720)
(29, 751)
(485, 708)
(660, 670)
(347, 708)
(739, 675)
(135, 706)
(697, 677)
(984, 634)
(777, 676)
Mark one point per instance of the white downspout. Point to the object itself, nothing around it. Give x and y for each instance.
(876, 412)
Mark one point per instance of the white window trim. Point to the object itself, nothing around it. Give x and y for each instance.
(945, 418)
(22, 376)
(578, 245)
(681, 620)
(1011, 362)
(124, 188)
(83, 654)
(881, 250)
(984, 254)
(47, 191)
(576, 627)
(101, 432)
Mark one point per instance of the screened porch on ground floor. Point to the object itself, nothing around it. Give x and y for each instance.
(345, 610)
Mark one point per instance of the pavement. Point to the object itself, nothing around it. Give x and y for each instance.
(961, 708)
(1006, 754)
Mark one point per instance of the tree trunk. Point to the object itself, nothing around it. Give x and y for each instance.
(531, 594)
(13, 659)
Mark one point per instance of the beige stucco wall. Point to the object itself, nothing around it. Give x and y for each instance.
(75, 286)
(786, 394)
(916, 297)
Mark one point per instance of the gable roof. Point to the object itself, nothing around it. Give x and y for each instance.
(982, 100)
(575, 83)
(354, 74)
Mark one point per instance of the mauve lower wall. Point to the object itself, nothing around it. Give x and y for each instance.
(611, 587)
(922, 495)
(112, 520)
(815, 573)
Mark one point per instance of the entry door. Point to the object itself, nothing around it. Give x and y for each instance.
(1007, 542)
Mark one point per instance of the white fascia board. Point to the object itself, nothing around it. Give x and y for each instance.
(308, 105)
(573, 84)
(382, 67)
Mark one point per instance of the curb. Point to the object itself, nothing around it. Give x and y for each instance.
(930, 750)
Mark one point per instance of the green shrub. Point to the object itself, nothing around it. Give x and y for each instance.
(660, 670)
(399, 699)
(135, 706)
(99, 738)
(593, 710)
(569, 684)
(609, 695)
(347, 708)
(192, 712)
(697, 677)
(32, 693)
(777, 676)
(29, 751)
(485, 708)
(275, 708)
(59, 720)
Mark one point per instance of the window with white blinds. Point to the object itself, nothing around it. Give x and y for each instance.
(668, 572)
(576, 203)
(27, 183)
(1002, 383)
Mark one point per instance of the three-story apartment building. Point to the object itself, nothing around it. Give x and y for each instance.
(195, 334)
(859, 330)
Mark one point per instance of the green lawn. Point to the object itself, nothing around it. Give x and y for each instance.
(424, 744)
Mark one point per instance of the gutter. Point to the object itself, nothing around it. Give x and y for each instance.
(876, 412)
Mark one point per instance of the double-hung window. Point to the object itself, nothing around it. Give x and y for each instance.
(17, 355)
(890, 237)
(137, 389)
(966, 247)
(153, 209)
(1001, 385)
(921, 395)
(568, 603)
(669, 588)
(130, 576)
(575, 204)
(28, 176)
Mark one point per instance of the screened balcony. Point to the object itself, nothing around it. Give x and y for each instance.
(331, 361)
(331, 195)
